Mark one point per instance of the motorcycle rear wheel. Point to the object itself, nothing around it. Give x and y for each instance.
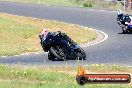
(81, 54)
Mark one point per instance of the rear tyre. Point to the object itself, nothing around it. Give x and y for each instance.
(81, 54)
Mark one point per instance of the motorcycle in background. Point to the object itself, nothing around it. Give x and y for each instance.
(126, 23)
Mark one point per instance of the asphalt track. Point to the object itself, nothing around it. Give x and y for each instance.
(117, 49)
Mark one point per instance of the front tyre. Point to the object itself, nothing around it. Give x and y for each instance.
(59, 52)
(124, 29)
(51, 56)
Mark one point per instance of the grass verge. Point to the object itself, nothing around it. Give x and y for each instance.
(76, 3)
(20, 34)
(49, 2)
(55, 77)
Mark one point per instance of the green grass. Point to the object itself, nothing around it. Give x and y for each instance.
(106, 68)
(49, 2)
(76, 3)
(104, 4)
(20, 34)
(52, 77)
(21, 84)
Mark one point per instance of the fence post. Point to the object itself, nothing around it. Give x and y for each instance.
(123, 2)
(124, 5)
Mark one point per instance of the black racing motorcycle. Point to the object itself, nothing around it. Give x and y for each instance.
(61, 47)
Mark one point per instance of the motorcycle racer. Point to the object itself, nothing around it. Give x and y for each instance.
(119, 15)
(60, 46)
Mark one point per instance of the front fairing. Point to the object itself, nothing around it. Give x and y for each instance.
(48, 39)
(130, 25)
(75, 46)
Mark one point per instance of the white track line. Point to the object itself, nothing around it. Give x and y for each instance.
(105, 37)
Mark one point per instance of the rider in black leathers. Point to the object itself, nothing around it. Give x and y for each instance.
(67, 41)
(64, 36)
(121, 18)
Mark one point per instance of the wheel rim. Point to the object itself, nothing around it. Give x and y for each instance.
(60, 51)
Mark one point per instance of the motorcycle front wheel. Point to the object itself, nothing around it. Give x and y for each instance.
(124, 29)
(59, 52)
(51, 56)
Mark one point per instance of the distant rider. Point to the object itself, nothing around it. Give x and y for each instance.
(119, 15)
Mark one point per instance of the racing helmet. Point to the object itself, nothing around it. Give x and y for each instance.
(119, 12)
